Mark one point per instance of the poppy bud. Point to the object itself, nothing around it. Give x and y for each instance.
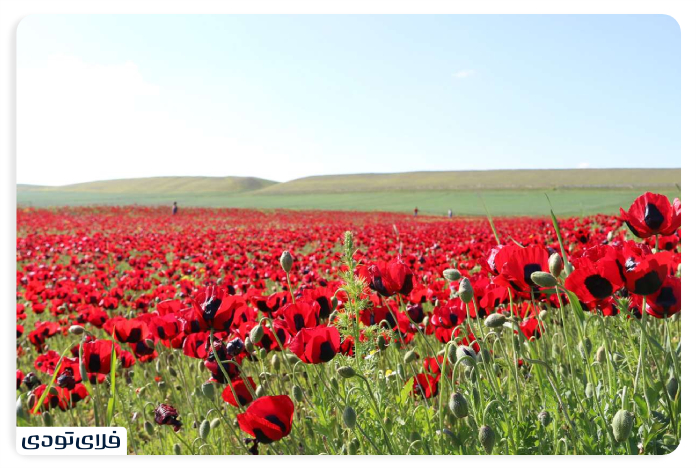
(292, 359)
(477, 396)
(214, 423)
(415, 446)
(172, 371)
(76, 330)
(20, 409)
(400, 371)
(262, 353)
(495, 320)
(149, 428)
(622, 425)
(256, 334)
(177, 449)
(248, 345)
(334, 383)
(349, 417)
(260, 390)
(451, 352)
(31, 401)
(452, 274)
(334, 302)
(487, 438)
(352, 447)
(458, 405)
(410, 357)
(466, 291)
(555, 264)
(543, 314)
(601, 355)
(381, 343)
(158, 367)
(544, 418)
(297, 393)
(346, 372)
(672, 387)
(208, 390)
(204, 429)
(464, 351)
(286, 261)
(585, 347)
(485, 356)
(201, 366)
(543, 279)
(275, 362)
(47, 419)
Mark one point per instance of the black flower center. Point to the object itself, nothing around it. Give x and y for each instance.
(326, 352)
(653, 217)
(598, 286)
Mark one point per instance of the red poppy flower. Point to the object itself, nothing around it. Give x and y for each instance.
(645, 274)
(96, 355)
(127, 331)
(592, 281)
(517, 271)
(215, 308)
(299, 315)
(652, 214)
(268, 418)
(667, 300)
(389, 278)
(241, 390)
(425, 385)
(316, 345)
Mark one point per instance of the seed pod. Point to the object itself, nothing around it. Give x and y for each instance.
(47, 419)
(286, 261)
(256, 334)
(208, 390)
(262, 353)
(555, 264)
(352, 447)
(275, 362)
(149, 428)
(214, 423)
(487, 438)
(601, 355)
(452, 352)
(204, 429)
(544, 418)
(466, 291)
(622, 425)
(458, 405)
(346, 372)
(76, 330)
(672, 387)
(172, 371)
(452, 274)
(20, 409)
(410, 357)
(494, 320)
(381, 343)
(177, 449)
(543, 279)
(349, 417)
(297, 393)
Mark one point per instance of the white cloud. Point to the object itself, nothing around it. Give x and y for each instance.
(583, 165)
(463, 73)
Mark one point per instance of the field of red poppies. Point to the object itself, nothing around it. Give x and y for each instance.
(223, 331)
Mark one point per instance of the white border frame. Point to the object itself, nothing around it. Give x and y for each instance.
(11, 13)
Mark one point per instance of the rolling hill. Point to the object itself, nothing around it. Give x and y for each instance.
(505, 192)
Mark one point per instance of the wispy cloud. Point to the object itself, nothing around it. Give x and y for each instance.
(463, 73)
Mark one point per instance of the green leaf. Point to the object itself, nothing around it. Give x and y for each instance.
(641, 406)
(406, 391)
(575, 305)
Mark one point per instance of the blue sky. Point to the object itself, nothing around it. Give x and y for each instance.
(282, 97)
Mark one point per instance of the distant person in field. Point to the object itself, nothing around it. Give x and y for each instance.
(175, 209)
(449, 213)
(415, 212)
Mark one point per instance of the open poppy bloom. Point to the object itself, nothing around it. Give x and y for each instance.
(96, 355)
(215, 308)
(652, 214)
(425, 385)
(593, 281)
(300, 315)
(667, 300)
(389, 278)
(644, 275)
(316, 345)
(517, 271)
(268, 418)
(127, 331)
(241, 390)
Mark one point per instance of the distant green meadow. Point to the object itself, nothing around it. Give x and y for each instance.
(566, 202)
